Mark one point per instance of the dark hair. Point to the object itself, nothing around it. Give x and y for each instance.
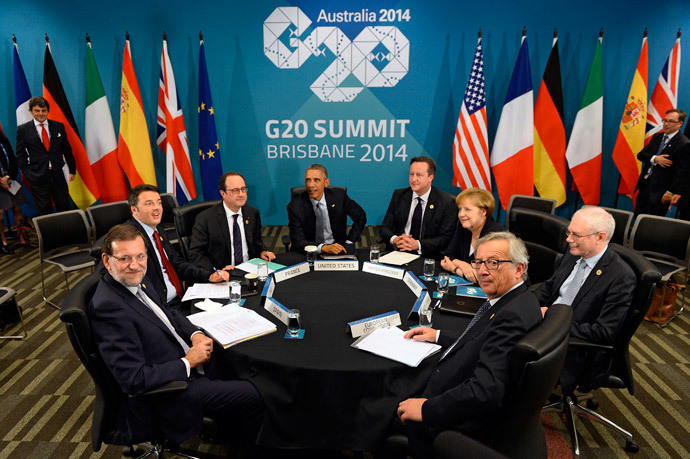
(682, 116)
(133, 198)
(431, 164)
(319, 167)
(121, 233)
(221, 180)
(40, 101)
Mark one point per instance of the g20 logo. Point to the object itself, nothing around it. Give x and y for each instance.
(377, 58)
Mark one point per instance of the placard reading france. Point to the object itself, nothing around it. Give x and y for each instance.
(376, 57)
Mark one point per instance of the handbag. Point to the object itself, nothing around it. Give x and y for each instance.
(664, 302)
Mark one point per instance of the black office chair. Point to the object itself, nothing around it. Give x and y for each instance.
(543, 262)
(535, 365)
(623, 220)
(103, 217)
(452, 445)
(167, 223)
(540, 228)
(64, 240)
(520, 201)
(74, 313)
(294, 192)
(620, 375)
(666, 243)
(185, 217)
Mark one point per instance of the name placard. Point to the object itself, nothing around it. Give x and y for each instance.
(291, 271)
(336, 265)
(362, 326)
(383, 270)
(424, 301)
(277, 309)
(267, 292)
(412, 281)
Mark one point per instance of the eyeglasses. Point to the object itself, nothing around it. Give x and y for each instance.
(127, 259)
(491, 264)
(237, 190)
(670, 121)
(576, 237)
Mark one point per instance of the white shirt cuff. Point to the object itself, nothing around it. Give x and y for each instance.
(186, 364)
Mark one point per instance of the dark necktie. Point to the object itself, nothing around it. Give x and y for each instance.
(236, 241)
(662, 145)
(172, 275)
(320, 224)
(484, 307)
(416, 226)
(44, 137)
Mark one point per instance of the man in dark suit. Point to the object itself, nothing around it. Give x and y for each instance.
(42, 150)
(318, 216)
(166, 267)
(468, 386)
(598, 285)
(665, 161)
(145, 345)
(420, 219)
(229, 233)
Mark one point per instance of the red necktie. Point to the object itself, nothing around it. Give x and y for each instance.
(44, 137)
(172, 275)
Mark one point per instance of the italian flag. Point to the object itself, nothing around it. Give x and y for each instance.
(584, 149)
(101, 143)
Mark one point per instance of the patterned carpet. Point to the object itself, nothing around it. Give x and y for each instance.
(46, 396)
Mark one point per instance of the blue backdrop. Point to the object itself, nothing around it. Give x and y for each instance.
(269, 119)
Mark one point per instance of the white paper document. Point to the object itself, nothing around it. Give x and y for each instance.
(15, 186)
(398, 258)
(389, 343)
(231, 324)
(207, 290)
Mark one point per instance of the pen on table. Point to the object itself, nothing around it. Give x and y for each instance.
(437, 305)
(217, 272)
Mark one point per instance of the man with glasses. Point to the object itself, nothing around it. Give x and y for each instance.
(467, 389)
(146, 345)
(665, 162)
(166, 268)
(596, 282)
(229, 233)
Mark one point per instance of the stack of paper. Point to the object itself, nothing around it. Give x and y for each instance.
(389, 343)
(252, 266)
(230, 324)
(398, 258)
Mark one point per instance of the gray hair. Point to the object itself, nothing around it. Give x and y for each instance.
(517, 252)
(598, 220)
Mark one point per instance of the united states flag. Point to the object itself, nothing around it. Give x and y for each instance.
(470, 146)
(665, 95)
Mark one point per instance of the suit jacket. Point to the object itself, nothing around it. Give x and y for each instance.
(673, 178)
(459, 247)
(185, 270)
(599, 308)
(467, 389)
(10, 162)
(142, 354)
(211, 245)
(302, 219)
(33, 158)
(438, 224)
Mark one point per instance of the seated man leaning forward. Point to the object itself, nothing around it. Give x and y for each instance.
(599, 286)
(228, 233)
(145, 345)
(420, 218)
(318, 216)
(468, 386)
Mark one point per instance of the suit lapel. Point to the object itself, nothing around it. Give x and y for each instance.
(429, 211)
(562, 273)
(404, 209)
(224, 226)
(247, 228)
(594, 275)
(330, 208)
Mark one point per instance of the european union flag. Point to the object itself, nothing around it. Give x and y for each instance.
(209, 149)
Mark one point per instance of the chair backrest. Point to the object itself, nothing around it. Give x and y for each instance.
(543, 262)
(74, 313)
(185, 217)
(623, 220)
(662, 237)
(521, 201)
(647, 277)
(297, 190)
(105, 216)
(535, 365)
(62, 231)
(540, 228)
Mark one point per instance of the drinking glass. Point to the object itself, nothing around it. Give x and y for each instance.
(374, 253)
(312, 251)
(429, 267)
(425, 314)
(294, 322)
(235, 292)
(262, 270)
(443, 281)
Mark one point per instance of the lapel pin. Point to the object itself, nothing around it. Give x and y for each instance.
(332, 205)
(431, 206)
(492, 316)
(59, 134)
(246, 222)
(143, 285)
(598, 272)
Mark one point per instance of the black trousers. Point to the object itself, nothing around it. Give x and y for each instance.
(51, 192)
(644, 205)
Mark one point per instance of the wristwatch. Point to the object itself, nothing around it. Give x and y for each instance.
(455, 271)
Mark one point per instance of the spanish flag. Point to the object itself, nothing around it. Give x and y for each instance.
(134, 146)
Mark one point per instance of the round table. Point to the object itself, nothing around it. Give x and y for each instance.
(319, 391)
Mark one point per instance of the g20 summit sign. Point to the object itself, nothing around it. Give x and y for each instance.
(377, 57)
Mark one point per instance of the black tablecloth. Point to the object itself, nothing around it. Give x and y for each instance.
(319, 391)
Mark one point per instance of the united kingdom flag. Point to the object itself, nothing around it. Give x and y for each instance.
(665, 95)
(172, 135)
